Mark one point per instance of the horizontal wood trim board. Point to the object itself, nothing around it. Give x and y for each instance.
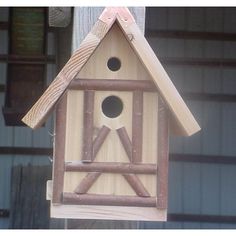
(4, 213)
(115, 85)
(26, 151)
(115, 167)
(178, 34)
(5, 26)
(211, 62)
(173, 157)
(108, 200)
(231, 160)
(209, 97)
(201, 218)
(16, 59)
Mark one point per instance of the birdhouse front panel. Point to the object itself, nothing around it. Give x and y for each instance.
(113, 101)
(111, 137)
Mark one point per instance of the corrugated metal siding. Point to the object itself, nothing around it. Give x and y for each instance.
(20, 136)
(200, 188)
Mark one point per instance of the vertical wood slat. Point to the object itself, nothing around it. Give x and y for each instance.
(59, 151)
(163, 159)
(125, 140)
(87, 182)
(88, 126)
(136, 185)
(102, 134)
(137, 127)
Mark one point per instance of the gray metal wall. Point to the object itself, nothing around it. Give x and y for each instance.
(200, 188)
(19, 136)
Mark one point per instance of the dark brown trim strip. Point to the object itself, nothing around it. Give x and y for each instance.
(88, 126)
(209, 97)
(162, 159)
(110, 84)
(115, 167)
(87, 182)
(125, 140)
(59, 151)
(202, 218)
(178, 34)
(227, 160)
(97, 143)
(136, 185)
(26, 151)
(137, 127)
(17, 59)
(212, 62)
(108, 200)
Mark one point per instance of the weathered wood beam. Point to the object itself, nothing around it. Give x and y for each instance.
(125, 140)
(87, 182)
(136, 185)
(108, 200)
(87, 155)
(97, 143)
(115, 167)
(163, 155)
(115, 85)
(59, 150)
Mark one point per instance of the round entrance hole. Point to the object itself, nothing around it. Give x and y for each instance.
(114, 64)
(112, 106)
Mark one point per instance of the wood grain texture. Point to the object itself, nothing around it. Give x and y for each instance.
(184, 118)
(41, 109)
(163, 156)
(59, 151)
(137, 185)
(87, 182)
(137, 127)
(108, 212)
(87, 151)
(115, 167)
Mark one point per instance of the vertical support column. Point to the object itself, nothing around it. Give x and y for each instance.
(137, 129)
(59, 151)
(163, 156)
(88, 126)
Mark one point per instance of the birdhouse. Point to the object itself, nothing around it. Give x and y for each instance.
(115, 108)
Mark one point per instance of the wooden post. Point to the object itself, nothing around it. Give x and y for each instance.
(84, 18)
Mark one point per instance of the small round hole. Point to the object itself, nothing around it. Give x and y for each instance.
(114, 64)
(112, 106)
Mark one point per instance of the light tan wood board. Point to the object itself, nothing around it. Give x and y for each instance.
(112, 149)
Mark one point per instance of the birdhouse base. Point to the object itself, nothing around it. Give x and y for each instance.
(104, 212)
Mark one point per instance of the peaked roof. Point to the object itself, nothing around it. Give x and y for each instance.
(185, 121)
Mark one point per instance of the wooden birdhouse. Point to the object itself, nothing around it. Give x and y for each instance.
(115, 105)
